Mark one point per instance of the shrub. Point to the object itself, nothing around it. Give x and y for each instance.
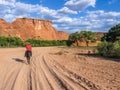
(109, 49)
(37, 43)
(10, 41)
(102, 48)
(116, 49)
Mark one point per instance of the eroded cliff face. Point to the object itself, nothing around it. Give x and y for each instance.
(26, 28)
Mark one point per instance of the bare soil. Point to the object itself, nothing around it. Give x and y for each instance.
(57, 68)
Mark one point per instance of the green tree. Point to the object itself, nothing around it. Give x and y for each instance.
(74, 37)
(87, 36)
(113, 34)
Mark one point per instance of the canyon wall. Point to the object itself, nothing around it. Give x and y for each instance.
(27, 28)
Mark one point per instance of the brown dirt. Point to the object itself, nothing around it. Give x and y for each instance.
(57, 68)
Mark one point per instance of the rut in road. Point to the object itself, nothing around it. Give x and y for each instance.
(45, 78)
(44, 73)
(73, 77)
(47, 74)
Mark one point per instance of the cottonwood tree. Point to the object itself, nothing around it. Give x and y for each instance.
(82, 36)
(113, 34)
(75, 37)
(87, 36)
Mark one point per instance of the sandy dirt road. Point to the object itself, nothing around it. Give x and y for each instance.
(57, 68)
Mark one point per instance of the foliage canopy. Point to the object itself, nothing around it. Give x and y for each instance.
(113, 34)
(83, 36)
(110, 46)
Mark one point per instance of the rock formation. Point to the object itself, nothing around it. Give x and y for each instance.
(26, 28)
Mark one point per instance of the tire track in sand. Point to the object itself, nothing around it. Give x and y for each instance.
(63, 81)
(42, 78)
(83, 82)
(45, 78)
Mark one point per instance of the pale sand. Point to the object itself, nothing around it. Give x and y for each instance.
(57, 68)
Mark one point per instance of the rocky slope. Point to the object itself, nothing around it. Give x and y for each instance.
(26, 28)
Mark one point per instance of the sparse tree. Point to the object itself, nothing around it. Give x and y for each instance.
(87, 36)
(113, 34)
(74, 37)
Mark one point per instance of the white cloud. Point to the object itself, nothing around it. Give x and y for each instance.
(11, 1)
(79, 5)
(101, 14)
(46, 11)
(66, 10)
(7, 2)
(26, 8)
(63, 20)
(93, 20)
(114, 14)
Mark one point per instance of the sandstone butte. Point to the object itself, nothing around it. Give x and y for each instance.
(27, 28)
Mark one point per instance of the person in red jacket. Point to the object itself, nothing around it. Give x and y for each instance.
(28, 52)
(28, 49)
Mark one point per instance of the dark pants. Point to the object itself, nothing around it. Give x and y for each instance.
(28, 53)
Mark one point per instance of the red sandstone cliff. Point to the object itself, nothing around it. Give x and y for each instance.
(26, 28)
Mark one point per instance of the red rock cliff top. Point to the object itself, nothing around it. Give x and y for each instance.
(27, 28)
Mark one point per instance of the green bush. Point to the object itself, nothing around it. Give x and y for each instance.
(10, 42)
(16, 42)
(116, 49)
(102, 48)
(109, 49)
(37, 43)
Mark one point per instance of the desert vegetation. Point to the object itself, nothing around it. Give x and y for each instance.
(17, 42)
(38, 43)
(110, 42)
(83, 36)
(10, 42)
(110, 45)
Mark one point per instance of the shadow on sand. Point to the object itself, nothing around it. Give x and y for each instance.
(19, 60)
(98, 56)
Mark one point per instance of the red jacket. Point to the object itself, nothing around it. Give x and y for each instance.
(28, 47)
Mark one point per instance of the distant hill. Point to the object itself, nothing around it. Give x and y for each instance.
(27, 28)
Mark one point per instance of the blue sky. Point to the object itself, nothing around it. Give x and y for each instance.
(66, 15)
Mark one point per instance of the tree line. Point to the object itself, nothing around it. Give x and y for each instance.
(86, 36)
(17, 42)
(10, 42)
